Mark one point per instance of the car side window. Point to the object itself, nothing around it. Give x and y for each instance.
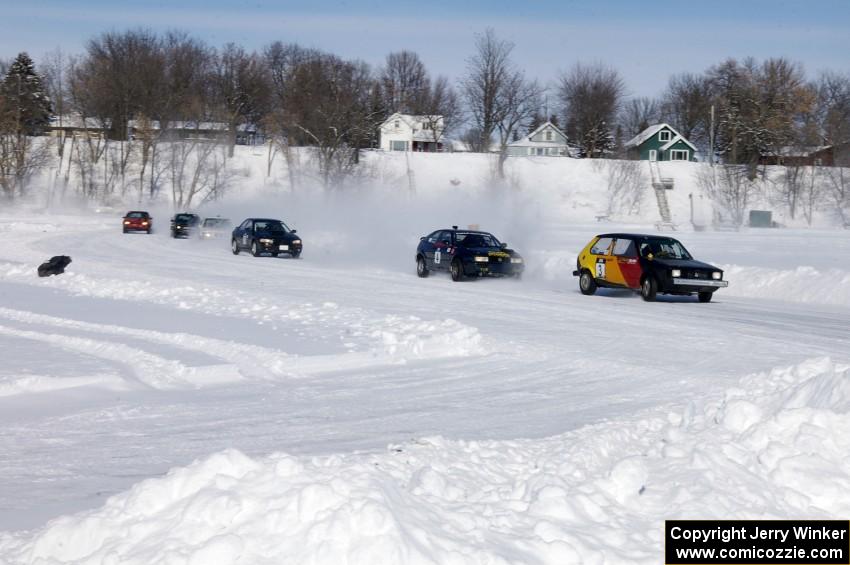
(624, 248)
(246, 225)
(445, 237)
(432, 237)
(601, 246)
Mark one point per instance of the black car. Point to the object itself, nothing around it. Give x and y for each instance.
(263, 235)
(466, 253)
(650, 264)
(184, 225)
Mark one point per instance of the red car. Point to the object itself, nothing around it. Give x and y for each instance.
(138, 221)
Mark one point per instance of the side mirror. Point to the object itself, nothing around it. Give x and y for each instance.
(422, 238)
(294, 231)
(504, 245)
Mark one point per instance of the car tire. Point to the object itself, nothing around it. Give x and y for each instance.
(705, 296)
(148, 231)
(649, 288)
(456, 270)
(421, 269)
(234, 246)
(274, 253)
(295, 254)
(255, 251)
(586, 284)
(125, 230)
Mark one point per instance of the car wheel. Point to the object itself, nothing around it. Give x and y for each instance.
(421, 269)
(234, 246)
(295, 254)
(649, 288)
(255, 251)
(125, 230)
(457, 271)
(274, 253)
(705, 296)
(586, 284)
(148, 231)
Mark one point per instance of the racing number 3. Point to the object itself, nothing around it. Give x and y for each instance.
(600, 268)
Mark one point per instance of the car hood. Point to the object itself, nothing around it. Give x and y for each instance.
(684, 264)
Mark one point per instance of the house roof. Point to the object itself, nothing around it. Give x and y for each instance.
(643, 136)
(525, 141)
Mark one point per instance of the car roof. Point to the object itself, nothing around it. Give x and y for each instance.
(634, 236)
(137, 212)
(463, 230)
(264, 219)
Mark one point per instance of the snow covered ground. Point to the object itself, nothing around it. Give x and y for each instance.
(166, 402)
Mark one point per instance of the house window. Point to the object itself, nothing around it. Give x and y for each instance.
(653, 155)
(664, 135)
(397, 124)
(548, 135)
(396, 145)
(679, 155)
(540, 151)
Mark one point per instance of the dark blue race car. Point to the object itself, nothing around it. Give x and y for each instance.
(466, 253)
(264, 235)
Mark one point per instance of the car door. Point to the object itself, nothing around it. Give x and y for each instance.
(442, 250)
(601, 255)
(625, 268)
(427, 247)
(245, 233)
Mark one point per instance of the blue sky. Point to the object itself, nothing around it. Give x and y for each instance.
(645, 41)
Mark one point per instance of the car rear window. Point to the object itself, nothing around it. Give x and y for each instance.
(601, 246)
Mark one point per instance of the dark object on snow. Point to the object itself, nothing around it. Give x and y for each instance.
(54, 266)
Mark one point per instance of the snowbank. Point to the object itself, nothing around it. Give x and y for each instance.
(803, 284)
(773, 447)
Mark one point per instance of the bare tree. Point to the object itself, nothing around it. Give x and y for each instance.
(242, 89)
(833, 107)
(488, 72)
(405, 84)
(591, 96)
(638, 114)
(686, 105)
(520, 101)
(730, 187)
(626, 181)
(442, 111)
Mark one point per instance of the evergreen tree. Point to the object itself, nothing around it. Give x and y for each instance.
(26, 106)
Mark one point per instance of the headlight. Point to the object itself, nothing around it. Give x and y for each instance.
(296, 241)
(716, 275)
(675, 273)
(266, 240)
(516, 259)
(126, 222)
(144, 223)
(482, 259)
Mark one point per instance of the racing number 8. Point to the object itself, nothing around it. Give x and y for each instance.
(437, 257)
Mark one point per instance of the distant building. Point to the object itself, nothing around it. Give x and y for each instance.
(546, 140)
(406, 132)
(660, 143)
(808, 156)
(73, 125)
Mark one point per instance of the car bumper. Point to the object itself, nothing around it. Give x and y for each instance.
(697, 285)
(492, 269)
(281, 247)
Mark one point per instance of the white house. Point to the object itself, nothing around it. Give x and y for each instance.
(545, 140)
(405, 132)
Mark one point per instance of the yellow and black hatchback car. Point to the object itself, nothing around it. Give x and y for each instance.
(649, 264)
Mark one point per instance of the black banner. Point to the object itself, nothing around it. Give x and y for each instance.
(757, 542)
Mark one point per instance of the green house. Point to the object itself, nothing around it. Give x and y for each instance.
(661, 143)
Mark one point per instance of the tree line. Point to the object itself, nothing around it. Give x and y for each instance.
(307, 97)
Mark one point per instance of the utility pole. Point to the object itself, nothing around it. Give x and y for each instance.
(711, 138)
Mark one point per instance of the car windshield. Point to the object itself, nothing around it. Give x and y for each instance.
(664, 248)
(137, 215)
(183, 218)
(466, 239)
(273, 226)
(215, 223)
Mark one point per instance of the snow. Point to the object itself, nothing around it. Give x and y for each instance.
(164, 401)
(772, 447)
